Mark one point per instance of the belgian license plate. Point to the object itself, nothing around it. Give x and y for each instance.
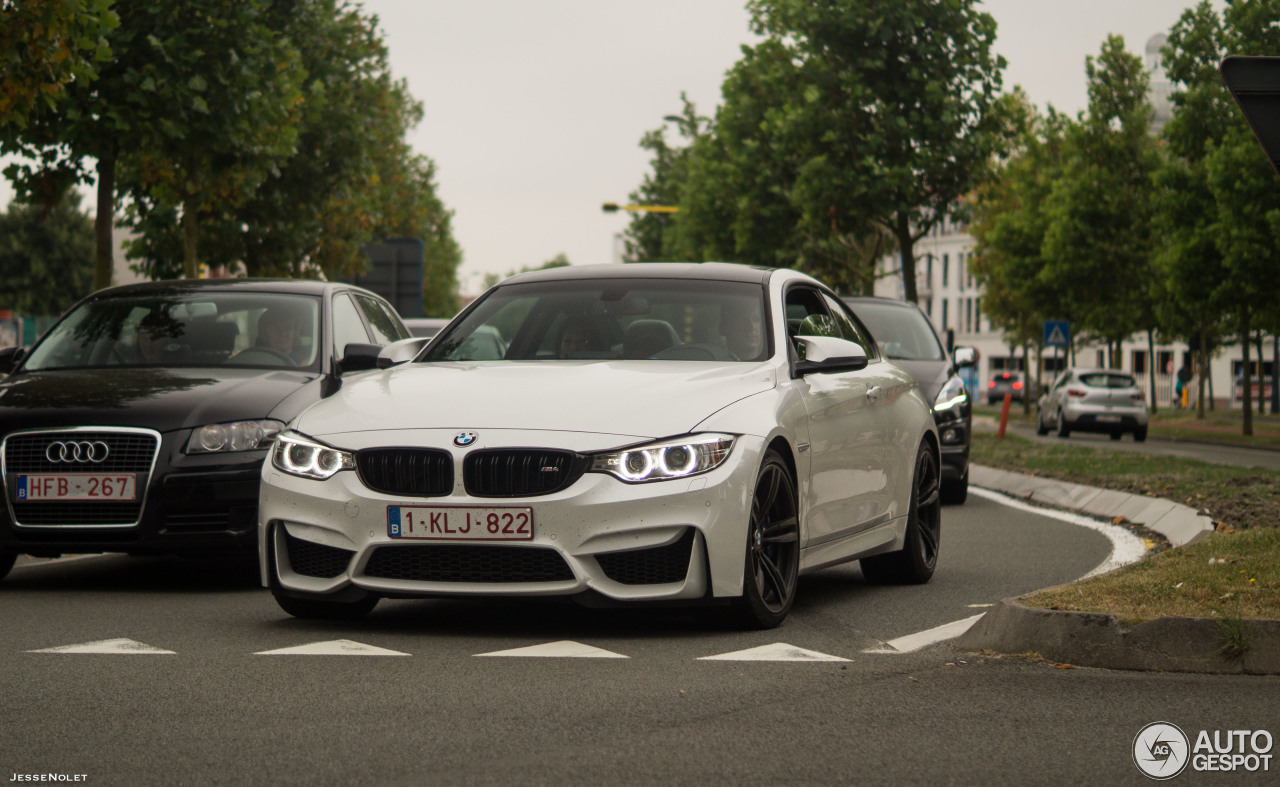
(38, 487)
(1109, 419)
(460, 523)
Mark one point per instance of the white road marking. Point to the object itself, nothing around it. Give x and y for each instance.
(778, 651)
(564, 649)
(921, 639)
(108, 646)
(1125, 548)
(337, 647)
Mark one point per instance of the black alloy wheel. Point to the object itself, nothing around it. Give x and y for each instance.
(915, 563)
(772, 565)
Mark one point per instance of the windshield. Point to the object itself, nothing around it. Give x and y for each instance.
(903, 334)
(185, 329)
(642, 319)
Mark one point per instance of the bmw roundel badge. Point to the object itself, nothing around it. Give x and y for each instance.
(465, 439)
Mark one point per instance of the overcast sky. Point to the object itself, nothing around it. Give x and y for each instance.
(534, 110)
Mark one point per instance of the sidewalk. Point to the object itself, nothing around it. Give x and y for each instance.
(1091, 639)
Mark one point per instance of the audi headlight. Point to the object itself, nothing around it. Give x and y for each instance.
(676, 458)
(300, 456)
(234, 436)
(951, 396)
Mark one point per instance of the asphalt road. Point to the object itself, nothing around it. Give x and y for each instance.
(214, 711)
(1240, 456)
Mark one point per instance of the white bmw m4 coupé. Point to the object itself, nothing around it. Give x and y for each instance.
(665, 432)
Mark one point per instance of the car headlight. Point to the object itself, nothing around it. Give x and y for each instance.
(234, 436)
(952, 395)
(300, 456)
(675, 458)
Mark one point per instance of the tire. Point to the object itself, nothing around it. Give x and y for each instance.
(1117, 435)
(954, 493)
(772, 550)
(1140, 434)
(1041, 428)
(317, 609)
(6, 562)
(914, 564)
(1063, 429)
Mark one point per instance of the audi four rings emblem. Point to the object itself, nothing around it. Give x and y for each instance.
(78, 451)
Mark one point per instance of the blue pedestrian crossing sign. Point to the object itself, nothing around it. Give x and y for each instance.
(1057, 333)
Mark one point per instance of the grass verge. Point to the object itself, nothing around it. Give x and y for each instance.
(1232, 575)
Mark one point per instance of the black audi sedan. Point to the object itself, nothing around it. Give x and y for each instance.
(139, 422)
(907, 337)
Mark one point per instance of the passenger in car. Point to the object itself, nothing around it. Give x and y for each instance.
(581, 338)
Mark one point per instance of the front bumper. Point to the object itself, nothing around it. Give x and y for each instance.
(187, 505)
(672, 540)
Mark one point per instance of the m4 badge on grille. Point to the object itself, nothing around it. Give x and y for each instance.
(550, 469)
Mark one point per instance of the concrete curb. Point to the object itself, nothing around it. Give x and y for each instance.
(1091, 639)
(1176, 522)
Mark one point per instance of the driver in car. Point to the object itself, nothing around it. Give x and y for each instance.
(277, 332)
(743, 333)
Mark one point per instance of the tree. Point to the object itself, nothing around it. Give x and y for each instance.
(650, 236)
(899, 116)
(199, 98)
(1221, 206)
(46, 257)
(1098, 239)
(46, 45)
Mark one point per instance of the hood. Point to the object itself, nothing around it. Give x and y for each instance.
(645, 399)
(930, 376)
(161, 399)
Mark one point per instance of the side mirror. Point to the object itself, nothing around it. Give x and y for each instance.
(965, 356)
(820, 354)
(359, 357)
(10, 357)
(402, 351)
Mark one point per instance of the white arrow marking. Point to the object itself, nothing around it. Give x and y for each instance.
(108, 646)
(337, 647)
(778, 651)
(914, 642)
(564, 649)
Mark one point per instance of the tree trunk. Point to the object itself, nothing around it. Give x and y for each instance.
(190, 266)
(1151, 370)
(1262, 400)
(104, 251)
(1246, 375)
(906, 246)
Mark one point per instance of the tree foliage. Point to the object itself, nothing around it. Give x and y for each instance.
(46, 45)
(46, 257)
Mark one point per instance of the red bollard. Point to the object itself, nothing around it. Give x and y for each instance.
(1004, 415)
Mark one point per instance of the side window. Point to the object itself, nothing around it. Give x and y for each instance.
(803, 305)
(386, 329)
(348, 328)
(849, 327)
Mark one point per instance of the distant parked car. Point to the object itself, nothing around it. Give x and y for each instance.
(140, 421)
(1002, 383)
(1093, 400)
(906, 336)
(425, 326)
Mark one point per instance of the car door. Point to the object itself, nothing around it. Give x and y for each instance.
(848, 488)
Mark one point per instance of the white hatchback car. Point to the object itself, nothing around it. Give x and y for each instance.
(650, 433)
(1093, 400)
